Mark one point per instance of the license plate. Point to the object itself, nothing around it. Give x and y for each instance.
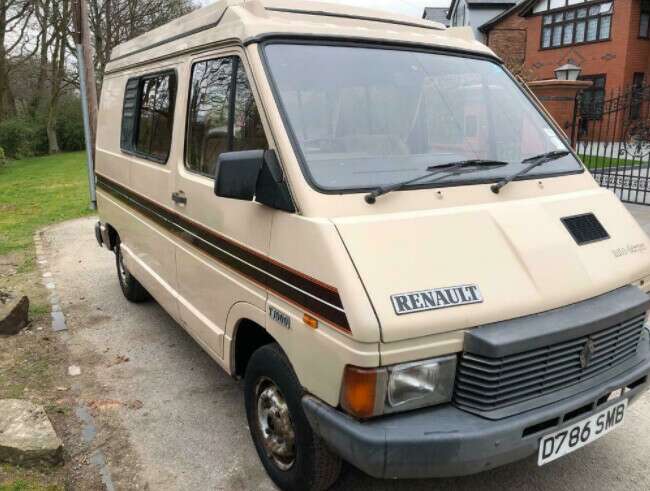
(578, 435)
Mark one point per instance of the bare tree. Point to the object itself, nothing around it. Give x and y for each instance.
(15, 16)
(61, 30)
(116, 21)
(38, 55)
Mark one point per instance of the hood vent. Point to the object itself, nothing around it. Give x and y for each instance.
(585, 229)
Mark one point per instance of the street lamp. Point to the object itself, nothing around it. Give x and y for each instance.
(568, 72)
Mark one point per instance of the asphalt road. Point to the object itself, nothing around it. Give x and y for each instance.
(191, 432)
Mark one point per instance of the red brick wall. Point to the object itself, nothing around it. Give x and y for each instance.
(638, 49)
(508, 39)
(618, 58)
(559, 97)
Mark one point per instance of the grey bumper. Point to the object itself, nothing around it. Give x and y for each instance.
(445, 441)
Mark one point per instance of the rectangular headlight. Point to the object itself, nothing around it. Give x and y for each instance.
(368, 392)
(420, 384)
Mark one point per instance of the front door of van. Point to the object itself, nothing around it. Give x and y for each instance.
(222, 234)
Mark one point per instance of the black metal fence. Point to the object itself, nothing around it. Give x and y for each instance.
(612, 136)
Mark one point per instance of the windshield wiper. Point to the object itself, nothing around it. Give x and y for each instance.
(449, 169)
(534, 162)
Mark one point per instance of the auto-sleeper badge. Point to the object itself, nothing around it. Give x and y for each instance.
(436, 298)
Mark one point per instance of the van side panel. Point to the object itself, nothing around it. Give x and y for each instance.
(319, 356)
(137, 233)
(209, 282)
(150, 254)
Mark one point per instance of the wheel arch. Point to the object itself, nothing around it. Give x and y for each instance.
(245, 333)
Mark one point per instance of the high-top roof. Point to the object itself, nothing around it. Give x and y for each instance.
(245, 21)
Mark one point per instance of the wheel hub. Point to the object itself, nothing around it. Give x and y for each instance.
(275, 425)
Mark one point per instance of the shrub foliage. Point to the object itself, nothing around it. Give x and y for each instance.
(23, 137)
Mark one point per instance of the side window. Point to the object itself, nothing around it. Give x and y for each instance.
(248, 132)
(208, 118)
(222, 116)
(148, 116)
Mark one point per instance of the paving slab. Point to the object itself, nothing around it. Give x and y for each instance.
(26, 435)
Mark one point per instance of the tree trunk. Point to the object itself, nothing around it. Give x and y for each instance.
(43, 17)
(52, 139)
(4, 84)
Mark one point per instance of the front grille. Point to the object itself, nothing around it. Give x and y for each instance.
(585, 229)
(488, 384)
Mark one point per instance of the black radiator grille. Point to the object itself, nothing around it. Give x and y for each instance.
(585, 229)
(487, 384)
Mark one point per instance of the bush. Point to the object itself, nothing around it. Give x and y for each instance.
(23, 138)
(69, 125)
(3, 158)
(26, 137)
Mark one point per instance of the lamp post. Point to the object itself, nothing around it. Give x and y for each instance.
(568, 72)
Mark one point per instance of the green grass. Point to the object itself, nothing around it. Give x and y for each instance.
(22, 485)
(37, 192)
(596, 162)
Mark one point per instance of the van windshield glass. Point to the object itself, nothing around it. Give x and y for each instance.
(365, 117)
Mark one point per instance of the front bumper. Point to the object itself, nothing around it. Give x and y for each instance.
(445, 441)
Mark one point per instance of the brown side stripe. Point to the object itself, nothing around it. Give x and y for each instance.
(307, 293)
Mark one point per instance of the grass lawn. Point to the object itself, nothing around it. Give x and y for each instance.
(39, 191)
(596, 162)
(35, 193)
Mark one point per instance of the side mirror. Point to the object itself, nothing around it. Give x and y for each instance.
(253, 174)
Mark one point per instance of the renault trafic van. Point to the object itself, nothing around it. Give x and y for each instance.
(369, 221)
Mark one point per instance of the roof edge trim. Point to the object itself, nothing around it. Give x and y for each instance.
(436, 26)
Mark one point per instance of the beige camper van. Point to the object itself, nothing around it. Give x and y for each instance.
(366, 218)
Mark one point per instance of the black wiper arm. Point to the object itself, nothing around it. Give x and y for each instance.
(533, 163)
(448, 169)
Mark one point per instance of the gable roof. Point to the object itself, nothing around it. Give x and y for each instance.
(437, 14)
(519, 7)
(481, 4)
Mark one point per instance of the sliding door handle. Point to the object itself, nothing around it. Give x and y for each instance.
(179, 198)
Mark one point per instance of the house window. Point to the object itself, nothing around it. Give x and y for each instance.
(637, 94)
(576, 25)
(593, 98)
(644, 23)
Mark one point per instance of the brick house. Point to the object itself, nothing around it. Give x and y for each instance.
(609, 40)
(475, 13)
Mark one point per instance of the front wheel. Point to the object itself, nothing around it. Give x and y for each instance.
(294, 457)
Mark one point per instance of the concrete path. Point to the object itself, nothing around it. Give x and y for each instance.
(189, 431)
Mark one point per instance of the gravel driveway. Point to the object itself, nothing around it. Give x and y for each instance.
(190, 432)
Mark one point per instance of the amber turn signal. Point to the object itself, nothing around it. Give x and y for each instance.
(362, 392)
(310, 321)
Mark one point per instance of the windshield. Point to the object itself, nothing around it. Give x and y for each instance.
(365, 117)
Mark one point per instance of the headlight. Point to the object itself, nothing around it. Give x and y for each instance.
(421, 384)
(372, 392)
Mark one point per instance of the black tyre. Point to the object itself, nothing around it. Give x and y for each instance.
(295, 458)
(131, 288)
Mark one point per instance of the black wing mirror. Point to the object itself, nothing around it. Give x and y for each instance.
(253, 174)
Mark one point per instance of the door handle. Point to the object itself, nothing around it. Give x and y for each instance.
(179, 198)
